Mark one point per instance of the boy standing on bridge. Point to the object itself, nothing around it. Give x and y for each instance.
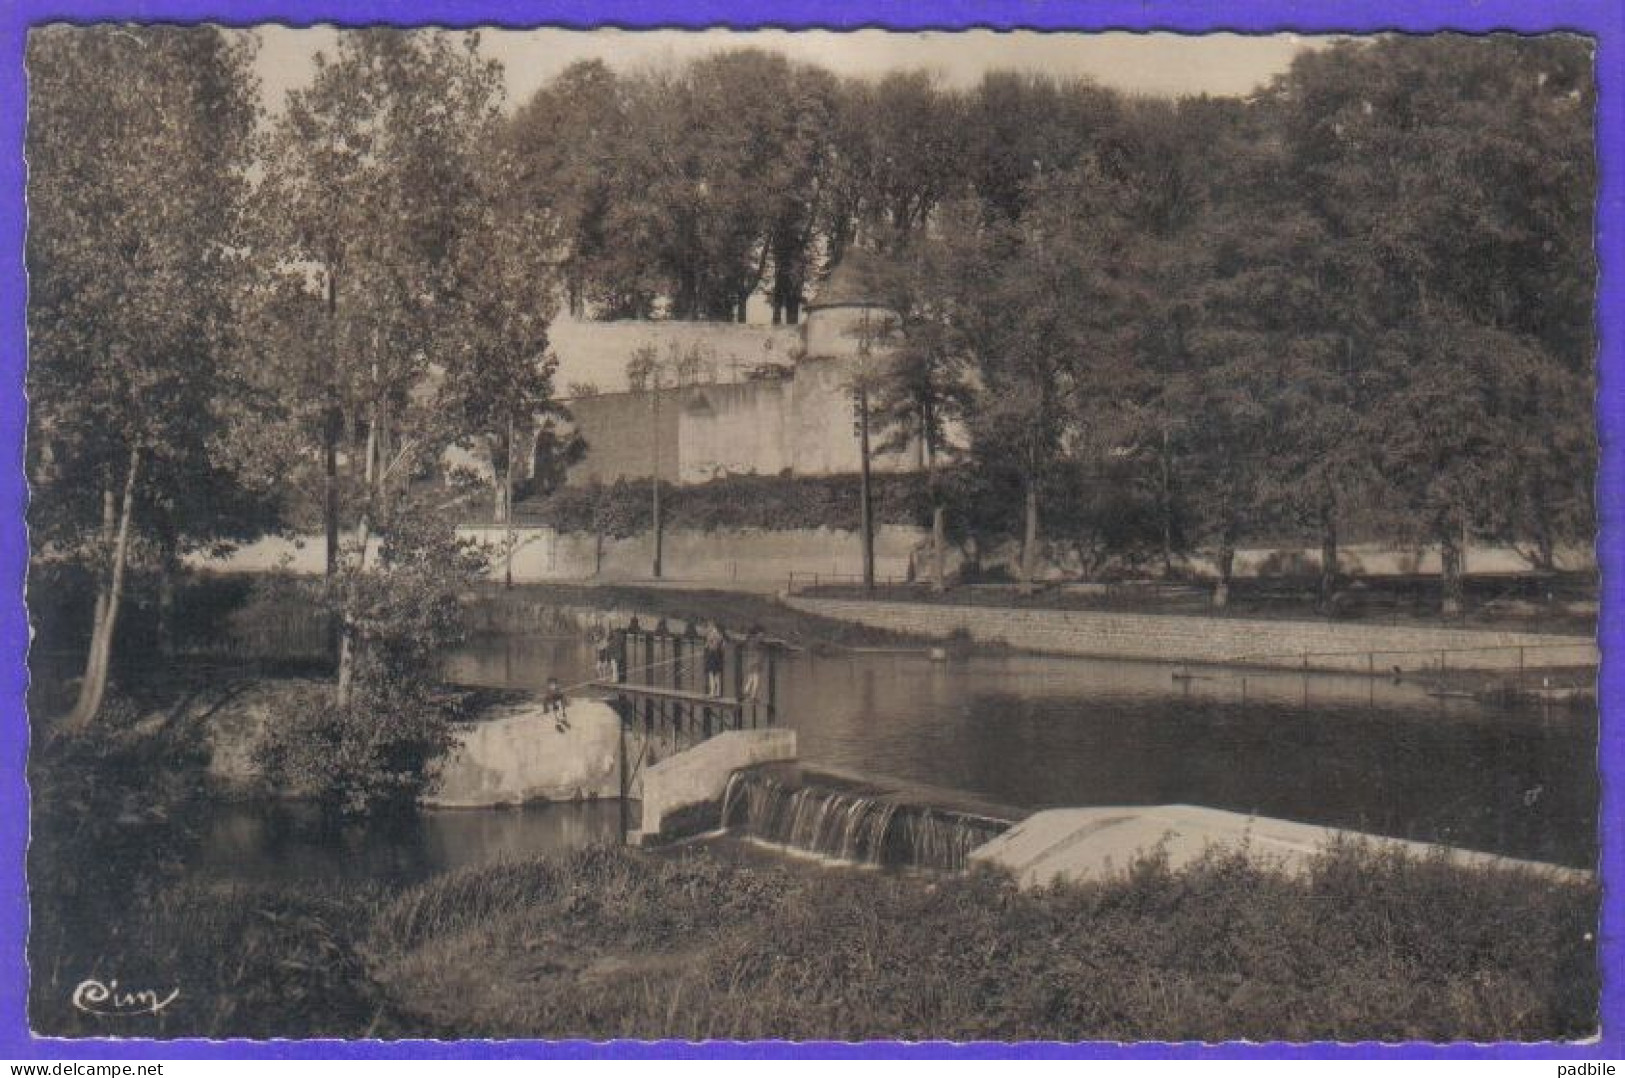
(714, 641)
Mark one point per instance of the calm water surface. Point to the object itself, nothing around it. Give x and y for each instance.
(1034, 732)
(278, 842)
(1038, 731)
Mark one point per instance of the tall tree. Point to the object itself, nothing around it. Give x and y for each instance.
(924, 386)
(1021, 126)
(362, 166)
(576, 154)
(1040, 307)
(498, 377)
(355, 188)
(138, 146)
(1457, 176)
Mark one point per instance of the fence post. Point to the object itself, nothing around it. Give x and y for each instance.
(772, 684)
(626, 780)
(677, 661)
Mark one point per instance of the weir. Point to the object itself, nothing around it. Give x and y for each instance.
(854, 820)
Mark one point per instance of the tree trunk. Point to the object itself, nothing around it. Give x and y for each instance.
(508, 537)
(168, 568)
(109, 536)
(93, 688)
(1328, 557)
(331, 424)
(1541, 521)
(349, 645)
(1450, 572)
(577, 307)
(866, 510)
(1166, 508)
(1227, 568)
(792, 307)
(654, 475)
(372, 467)
(939, 541)
(1545, 551)
(1029, 542)
(330, 487)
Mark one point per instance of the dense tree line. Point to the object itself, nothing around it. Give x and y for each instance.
(1364, 292)
(690, 189)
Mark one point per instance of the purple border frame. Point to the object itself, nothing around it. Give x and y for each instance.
(1602, 19)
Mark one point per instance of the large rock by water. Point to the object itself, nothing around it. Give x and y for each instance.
(521, 753)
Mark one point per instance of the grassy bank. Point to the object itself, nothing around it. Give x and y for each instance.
(613, 944)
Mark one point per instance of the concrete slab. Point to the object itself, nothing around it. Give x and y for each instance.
(698, 777)
(1064, 845)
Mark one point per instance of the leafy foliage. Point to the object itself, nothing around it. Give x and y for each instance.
(622, 509)
(375, 750)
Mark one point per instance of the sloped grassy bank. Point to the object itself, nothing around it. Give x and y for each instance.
(614, 944)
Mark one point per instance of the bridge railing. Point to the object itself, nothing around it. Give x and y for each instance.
(663, 678)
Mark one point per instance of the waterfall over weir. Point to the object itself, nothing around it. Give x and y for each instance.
(851, 820)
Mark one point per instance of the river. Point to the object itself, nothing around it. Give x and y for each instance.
(1035, 731)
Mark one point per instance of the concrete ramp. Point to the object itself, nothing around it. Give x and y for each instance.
(1066, 845)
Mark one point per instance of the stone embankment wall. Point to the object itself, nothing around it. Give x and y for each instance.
(1238, 641)
(745, 556)
(754, 557)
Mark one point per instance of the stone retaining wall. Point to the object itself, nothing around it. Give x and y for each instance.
(1233, 641)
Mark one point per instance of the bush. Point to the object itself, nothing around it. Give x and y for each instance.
(114, 822)
(247, 961)
(376, 753)
(370, 743)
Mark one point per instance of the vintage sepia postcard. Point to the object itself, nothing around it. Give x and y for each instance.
(1068, 534)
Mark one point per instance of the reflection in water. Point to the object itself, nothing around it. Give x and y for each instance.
(254, 842)
(1036, 731)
